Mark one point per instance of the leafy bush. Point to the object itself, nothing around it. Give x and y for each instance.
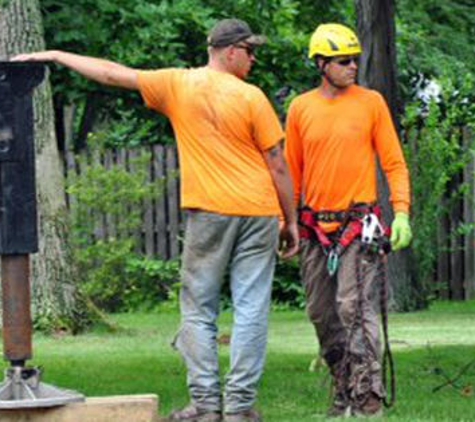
(150, 282)
(114, 275)
(287, 290)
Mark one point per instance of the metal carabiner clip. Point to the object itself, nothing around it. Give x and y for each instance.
(372, 229)
(332, 262)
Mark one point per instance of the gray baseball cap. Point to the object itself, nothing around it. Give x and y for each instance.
(231, 31)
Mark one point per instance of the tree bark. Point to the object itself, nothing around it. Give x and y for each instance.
(377, 70)
(56, 303)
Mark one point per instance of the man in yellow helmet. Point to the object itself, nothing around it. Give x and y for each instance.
(335, 133)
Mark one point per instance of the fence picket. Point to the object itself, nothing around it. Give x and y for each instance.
(173, 197)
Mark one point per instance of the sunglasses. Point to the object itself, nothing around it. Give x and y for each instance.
(346, 61)
(250, 50)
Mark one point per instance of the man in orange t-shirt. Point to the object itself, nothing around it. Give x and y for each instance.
(334, 135)
(235, 185)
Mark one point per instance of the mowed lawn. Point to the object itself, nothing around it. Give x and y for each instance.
(434, 353)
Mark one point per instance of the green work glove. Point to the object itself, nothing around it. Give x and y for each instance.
(401, 234)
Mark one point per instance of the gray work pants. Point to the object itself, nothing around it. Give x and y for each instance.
(246, 247)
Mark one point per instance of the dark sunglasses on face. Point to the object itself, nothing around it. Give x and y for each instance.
(250, 50)
(346, 61)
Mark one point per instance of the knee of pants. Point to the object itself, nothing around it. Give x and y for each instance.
(346, 310)
(317, 315)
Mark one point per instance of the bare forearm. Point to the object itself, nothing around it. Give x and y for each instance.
(289, 236)
(282, 182)
(102, 71)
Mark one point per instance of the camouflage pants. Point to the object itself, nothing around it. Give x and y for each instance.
(345, 315)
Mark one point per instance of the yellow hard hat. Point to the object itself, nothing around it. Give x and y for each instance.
(333, 39)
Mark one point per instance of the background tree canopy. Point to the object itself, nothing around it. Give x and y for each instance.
(434, 40)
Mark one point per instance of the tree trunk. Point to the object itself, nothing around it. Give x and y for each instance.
(55, 301)
(377, 70)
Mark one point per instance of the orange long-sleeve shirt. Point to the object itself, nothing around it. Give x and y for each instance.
(332, 146)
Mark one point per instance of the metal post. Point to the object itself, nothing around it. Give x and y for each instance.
(17, 327)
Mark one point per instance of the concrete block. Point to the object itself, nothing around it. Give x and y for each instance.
(134, 408)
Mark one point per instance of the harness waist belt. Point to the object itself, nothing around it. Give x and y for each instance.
(357, 211)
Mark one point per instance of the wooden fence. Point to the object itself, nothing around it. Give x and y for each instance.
(162, 221)
(455, 271)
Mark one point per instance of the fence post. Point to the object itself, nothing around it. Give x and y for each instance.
(148, 225)
(443, 269)
(468, 211)
(160, 205)
(173, 196)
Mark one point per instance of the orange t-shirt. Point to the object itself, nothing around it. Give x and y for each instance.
(222, 126)
(332, 145)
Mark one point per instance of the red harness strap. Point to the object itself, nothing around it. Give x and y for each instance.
(310, 229)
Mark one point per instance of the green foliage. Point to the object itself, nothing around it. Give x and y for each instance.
(139, 33)
(114, 276)
(121, 281)
(437, 153)
(287, 290)
(433, 39)
(151, 282)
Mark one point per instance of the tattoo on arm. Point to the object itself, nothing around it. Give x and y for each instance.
(276, 150)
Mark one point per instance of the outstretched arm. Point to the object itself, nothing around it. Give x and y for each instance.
(289, 237)
(102, 71)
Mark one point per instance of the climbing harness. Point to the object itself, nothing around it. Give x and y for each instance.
(360, 221)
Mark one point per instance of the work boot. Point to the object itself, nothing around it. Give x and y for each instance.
(193, 414)
(366, 390)
(371, 407)
(250, 415)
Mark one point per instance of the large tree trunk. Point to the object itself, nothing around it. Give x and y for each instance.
(55, 302)
(377, 70)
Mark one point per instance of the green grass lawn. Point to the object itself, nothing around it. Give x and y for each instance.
(427, 346)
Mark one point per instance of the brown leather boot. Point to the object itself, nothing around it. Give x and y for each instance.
(191, 413)
(371, 407)
(250, 415)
